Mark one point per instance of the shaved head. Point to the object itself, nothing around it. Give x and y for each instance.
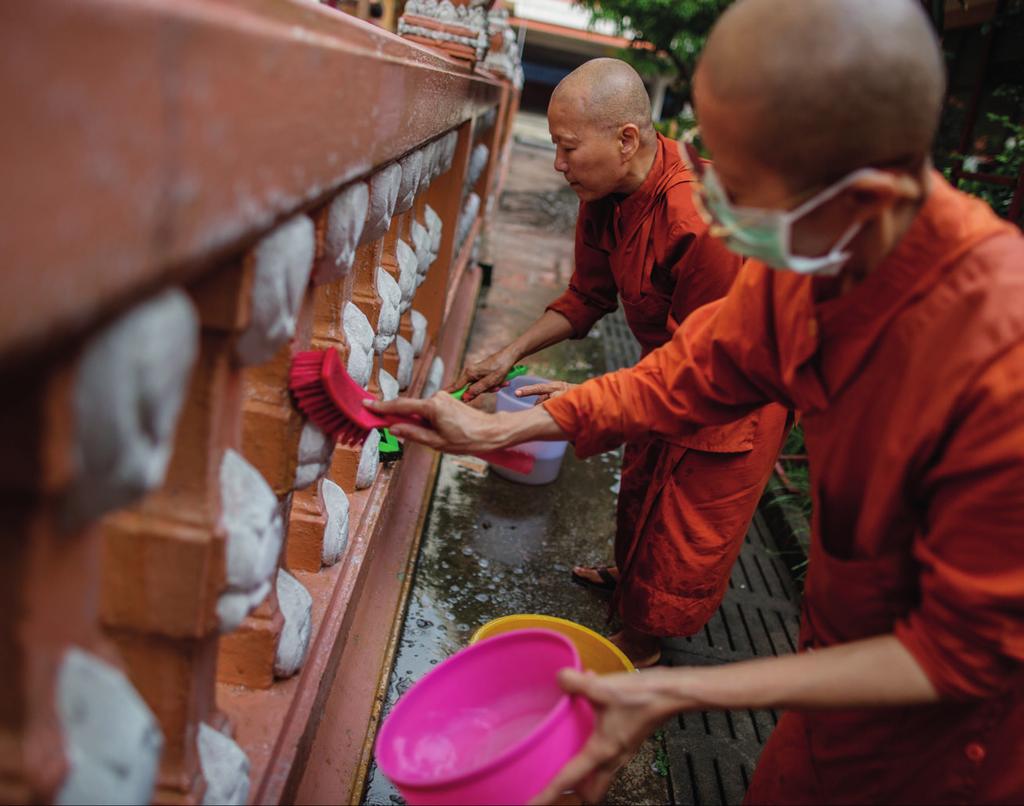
(600, 122)
(825, 86)
(607, 93)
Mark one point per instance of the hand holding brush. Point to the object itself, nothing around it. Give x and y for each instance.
(337, 405)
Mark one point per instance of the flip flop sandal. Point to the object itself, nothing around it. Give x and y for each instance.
(607, 583)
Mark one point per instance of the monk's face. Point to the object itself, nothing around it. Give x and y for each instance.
(727, 131)
(589, 156)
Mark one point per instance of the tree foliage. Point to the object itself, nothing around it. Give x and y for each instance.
(676, 28)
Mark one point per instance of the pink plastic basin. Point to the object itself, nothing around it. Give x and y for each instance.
(488, 725)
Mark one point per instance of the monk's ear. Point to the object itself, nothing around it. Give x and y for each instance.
(629, 141)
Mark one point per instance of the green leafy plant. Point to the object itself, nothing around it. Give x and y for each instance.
(669, 34)
(792, 496)
(1006, 133)
(660, 764)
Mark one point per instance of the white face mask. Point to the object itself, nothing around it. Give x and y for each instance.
(767, 234)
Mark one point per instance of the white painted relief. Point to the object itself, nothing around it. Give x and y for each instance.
(130, 386)
(282, 264)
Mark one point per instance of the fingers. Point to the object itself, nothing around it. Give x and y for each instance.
(536, 389)
(574, 682)
(466, 376)
(416, 433)
(593, 788)
(571, 775)
(545, 391)
(400, 405)
(486, 384)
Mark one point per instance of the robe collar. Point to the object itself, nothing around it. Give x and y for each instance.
(839, 333)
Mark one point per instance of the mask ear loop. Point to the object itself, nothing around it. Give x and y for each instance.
(827, 194)
(847, 236)
(817, 201)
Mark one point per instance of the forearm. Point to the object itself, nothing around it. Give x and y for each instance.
(551, 328)
(875, 672)
(505, 428)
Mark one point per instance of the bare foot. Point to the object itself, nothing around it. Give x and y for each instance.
(642, 649)
(591, 574)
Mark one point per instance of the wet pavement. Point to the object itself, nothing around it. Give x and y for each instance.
(493, 547)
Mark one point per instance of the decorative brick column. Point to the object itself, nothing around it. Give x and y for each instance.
(86, 433)
(166, 562)
(276, 440)
(458, 29)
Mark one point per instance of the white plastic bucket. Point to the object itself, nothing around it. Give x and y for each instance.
(548, 455)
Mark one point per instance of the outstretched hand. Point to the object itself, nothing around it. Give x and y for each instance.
(545, 391)
(629, 707)
(448, 424)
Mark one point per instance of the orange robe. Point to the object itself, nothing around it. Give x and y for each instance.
(684, 503)
(911, 387)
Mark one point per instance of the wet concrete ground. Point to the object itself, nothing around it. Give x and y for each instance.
(493, 547)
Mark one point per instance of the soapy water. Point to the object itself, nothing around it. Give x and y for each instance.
(469, 738)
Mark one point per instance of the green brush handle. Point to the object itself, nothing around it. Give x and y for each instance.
(390, 445)
(515, 372)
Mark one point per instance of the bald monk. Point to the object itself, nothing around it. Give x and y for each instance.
(888, 308)
(684, 503)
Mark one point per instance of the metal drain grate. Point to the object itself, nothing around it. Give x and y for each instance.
(621, 349)
(712, 754)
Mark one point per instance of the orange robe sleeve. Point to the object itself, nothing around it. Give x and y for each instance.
(592, 291)
(720, 365)
(703, 270)
(967, 633)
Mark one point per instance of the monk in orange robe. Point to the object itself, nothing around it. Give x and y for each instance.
(887, 308)
(684, 503)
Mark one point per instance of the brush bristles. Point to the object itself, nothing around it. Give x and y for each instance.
(306, 383)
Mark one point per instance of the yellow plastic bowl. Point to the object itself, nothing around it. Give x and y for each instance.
(597, 653)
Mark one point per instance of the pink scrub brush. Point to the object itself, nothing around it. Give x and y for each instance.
(335, 403)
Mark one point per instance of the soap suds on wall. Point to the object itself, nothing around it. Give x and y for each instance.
(384, 187)
(130, 385)
(405, 362)
(251, 518)
(282, 264)
(390, 306)
(419, 332)
(336, 530)
(112, 742)
(225, 767)
(360, 337)
(297, 608)
(345, 219)
(315, 451)
(369, 461)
